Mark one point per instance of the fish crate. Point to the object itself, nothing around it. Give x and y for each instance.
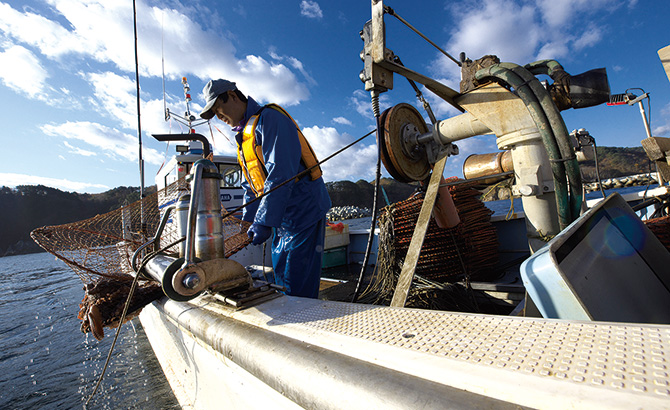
(335, 239)
(334, 257)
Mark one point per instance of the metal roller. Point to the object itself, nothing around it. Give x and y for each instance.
(482, 165)
(403, 158)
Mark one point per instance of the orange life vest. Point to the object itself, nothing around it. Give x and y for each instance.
(250, 156)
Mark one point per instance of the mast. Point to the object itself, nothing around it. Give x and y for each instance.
(139, 122)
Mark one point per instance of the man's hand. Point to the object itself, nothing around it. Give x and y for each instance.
(259, 233)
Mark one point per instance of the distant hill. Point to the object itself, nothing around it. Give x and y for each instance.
(25, 208)
(617, 162)
(361, 193)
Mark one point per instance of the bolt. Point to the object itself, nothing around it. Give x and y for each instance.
(191, 280)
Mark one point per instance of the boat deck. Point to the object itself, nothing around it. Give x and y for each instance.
(421, 358)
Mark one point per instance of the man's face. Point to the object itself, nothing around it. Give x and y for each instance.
(232, 111)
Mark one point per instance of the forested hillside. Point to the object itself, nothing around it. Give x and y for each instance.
(27, 207)
(617, 162)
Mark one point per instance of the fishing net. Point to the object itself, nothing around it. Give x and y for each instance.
(100, 251)
(467, 251)
(661, 228)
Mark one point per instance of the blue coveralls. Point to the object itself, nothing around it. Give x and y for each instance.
(296, 211)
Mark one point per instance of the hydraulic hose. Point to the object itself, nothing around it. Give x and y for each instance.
(558, 127)
(499, 72)
(547, 67)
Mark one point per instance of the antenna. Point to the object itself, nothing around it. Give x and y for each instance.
(139, 122)
(165, 110)
(188, 118)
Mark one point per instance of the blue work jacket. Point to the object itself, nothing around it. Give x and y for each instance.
(296, 205)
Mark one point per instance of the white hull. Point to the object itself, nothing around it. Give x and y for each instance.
(293, 352)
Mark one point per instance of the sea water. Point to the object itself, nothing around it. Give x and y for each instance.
(46, 362)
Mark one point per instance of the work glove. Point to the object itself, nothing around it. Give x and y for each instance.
(259, 233)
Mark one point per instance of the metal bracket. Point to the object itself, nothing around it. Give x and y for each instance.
(260, 292)
(407, 273)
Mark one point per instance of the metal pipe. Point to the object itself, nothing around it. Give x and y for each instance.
(457, 128)
(644, 119)
(153, 241)
(186, 137)
(157, 266)
(189, 250)
(483, 165)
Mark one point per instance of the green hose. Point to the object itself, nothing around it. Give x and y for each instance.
(559, 129)
(498, 71)
(547, 67)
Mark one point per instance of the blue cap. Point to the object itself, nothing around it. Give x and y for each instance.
(212, 90)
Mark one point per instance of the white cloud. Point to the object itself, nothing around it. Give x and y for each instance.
(270, 82)
(499, 27)
(354, 163)
(310, 9)
(341, 120)
(521, 32)
(296, 64)
(362, 103)
(48, 36)
(589, 38)
(115, 96)
(21, 71)
(559, 14)
(78, 151)
(664, 129)
(103, 31)
(112, 143)
(13, 180)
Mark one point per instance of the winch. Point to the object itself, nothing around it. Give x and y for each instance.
(503, 99)
(201, 265)
(498, 98)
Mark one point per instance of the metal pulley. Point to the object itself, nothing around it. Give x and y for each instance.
(402, 154)
(202, 265)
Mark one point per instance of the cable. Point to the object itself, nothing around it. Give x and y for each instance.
(298, 176)
(373, 221)
(419, 95)
(595, 158)
(392, 12)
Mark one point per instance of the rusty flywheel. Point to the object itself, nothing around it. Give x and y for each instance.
(404, 161)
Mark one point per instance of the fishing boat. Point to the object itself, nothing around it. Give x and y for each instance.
(585, 289)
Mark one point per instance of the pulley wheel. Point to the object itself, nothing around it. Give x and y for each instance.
(168, 289)
(405, 163)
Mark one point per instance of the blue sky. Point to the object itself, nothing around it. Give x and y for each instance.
(67, 74)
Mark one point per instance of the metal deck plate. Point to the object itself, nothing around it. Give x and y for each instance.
(623, 357)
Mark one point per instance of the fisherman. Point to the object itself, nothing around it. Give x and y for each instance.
(271, 149)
